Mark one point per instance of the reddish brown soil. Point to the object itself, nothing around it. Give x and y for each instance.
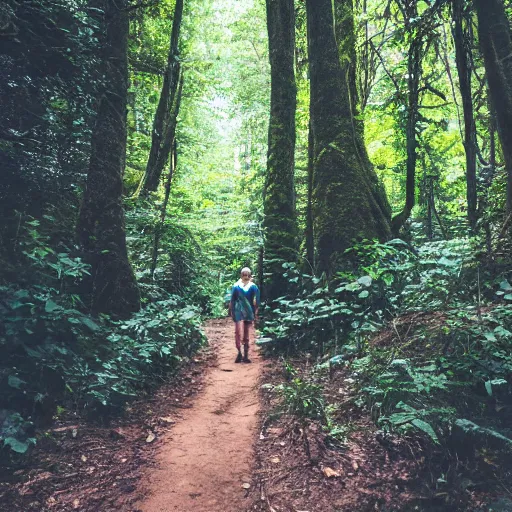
(205, 460)
(80, 465)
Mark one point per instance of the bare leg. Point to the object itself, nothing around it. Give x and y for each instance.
(238, 342)
(247, 326)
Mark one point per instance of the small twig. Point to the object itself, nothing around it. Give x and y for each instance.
(396, 330)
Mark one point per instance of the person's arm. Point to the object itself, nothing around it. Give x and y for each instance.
(256, 300)
(232, 302)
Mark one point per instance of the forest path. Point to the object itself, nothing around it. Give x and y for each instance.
(207, 456)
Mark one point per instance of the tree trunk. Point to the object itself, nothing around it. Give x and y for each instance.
(496, 44)
(101, 225)
(160, 145)
(348, 201)
(280, 222)
(346, 41)
(464, 71)
(310, 236)
(413, 85)
(172, 167)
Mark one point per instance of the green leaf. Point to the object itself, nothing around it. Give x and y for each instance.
(93, 326)
(447, 263)
(505, 285)
(489, 336)
(365, 281)
(16, 446)
(51, 306)
(187, 315)
(427, 428)
(502, 332)
(15, 382)
(364, 294)
(488, 387)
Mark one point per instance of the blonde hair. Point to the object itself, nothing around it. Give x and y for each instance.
(246, 269)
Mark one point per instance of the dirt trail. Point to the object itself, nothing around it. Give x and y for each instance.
(207, 456)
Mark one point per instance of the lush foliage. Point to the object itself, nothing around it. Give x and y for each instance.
(55, 353)
(426, 334)
(423, 323)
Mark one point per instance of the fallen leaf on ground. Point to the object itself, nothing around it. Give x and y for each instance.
(167, 419)
(151, 437)
(76, 503)
(330, 473)
(275, 460)
(246, 485)
(83, 458)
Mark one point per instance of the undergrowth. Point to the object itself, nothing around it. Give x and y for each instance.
(426, 335)
(56, 355)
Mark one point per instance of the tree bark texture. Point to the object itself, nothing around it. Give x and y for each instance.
(344, 31)
(280, 222)
(101, 225)
(160, 144)
(414, 69)
(173, 161)
(348, 201)
(464, 71)
(496, 45)
(310, 234)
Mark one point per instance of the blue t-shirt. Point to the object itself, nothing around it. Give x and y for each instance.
(244, 300)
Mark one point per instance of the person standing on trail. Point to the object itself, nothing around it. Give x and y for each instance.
(243, 309)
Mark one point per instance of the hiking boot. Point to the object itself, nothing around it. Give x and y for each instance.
(238, 357)
(246, 354)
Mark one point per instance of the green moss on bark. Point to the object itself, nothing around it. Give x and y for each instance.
(348, 201)
(280, 224)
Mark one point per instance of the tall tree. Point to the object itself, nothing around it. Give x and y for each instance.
(280, 224)
(161, 133)
(414, 71)
(173, 162)
(101, 225)
(348, 201)
(496, 44)
(462, 53)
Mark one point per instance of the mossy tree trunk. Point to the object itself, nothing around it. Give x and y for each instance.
(414, 72)
(280, 222)
(344, 31)
(160, 142)
(101, 224)
(462, 53)
(310, 234)
(496, 44)
(173, 162)
(348, 202)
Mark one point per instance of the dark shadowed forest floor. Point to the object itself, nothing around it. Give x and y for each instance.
(209, 441)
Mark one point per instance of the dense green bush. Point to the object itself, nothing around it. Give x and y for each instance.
(55, 353)
(453, 359)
